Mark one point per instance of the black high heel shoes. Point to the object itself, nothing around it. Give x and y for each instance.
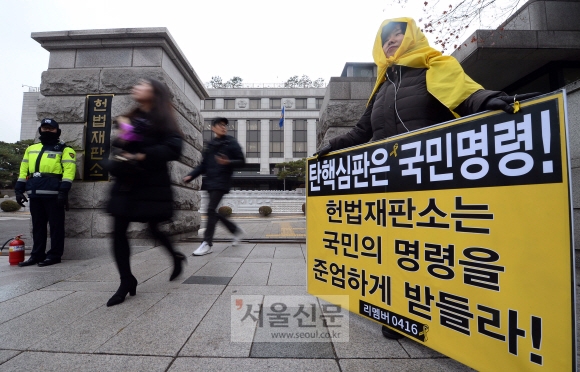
(178, 260)
(127, 286)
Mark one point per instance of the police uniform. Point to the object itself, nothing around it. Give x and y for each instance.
(46, 174)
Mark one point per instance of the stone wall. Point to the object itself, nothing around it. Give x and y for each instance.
(343, 105)
(248, 202)
(111, 62)
(545, 15)
(573, 101)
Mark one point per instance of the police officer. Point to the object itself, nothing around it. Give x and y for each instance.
(46, 174)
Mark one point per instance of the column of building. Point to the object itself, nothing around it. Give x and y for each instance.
(311, 136)
(264, 146)
(288, 148)
(241, 131)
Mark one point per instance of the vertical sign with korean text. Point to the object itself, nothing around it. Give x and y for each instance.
(97, 138)
(458, 236)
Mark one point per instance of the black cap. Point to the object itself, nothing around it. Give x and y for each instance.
(216, 121)
(50, 122)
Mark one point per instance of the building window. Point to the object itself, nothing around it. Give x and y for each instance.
(253, 138)
(209, 104)
(233, 128)
(299, 140)
(319, 102)
(255, 104)
(300, 103)
(229, 104)
(276, 140)
(207, 133)
(275, 103)
(363, 71)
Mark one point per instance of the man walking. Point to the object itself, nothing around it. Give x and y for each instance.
(46, 174)
(220, 157)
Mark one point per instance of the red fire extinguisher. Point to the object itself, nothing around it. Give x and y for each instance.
(16, 250)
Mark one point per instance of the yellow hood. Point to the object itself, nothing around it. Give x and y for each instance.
(446, 79)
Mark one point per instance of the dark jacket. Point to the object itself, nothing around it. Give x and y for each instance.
(142, 190)
(415, 107)
(217, 176)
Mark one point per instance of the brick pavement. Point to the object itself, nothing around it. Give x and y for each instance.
(283, 227)
(55, 318)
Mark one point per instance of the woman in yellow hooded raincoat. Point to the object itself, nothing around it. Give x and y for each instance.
(416, 87)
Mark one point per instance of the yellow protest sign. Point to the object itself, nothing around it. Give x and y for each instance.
(458, 236)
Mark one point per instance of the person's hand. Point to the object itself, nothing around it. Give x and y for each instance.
(187, 179)
(20, 198)
(323, 151)
(222, 159)
(62, 200)
(504, 102)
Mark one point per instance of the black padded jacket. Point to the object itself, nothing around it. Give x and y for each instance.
(403, 104)
(217, 176)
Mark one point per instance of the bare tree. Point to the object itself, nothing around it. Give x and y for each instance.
(235, 82)
(216, 82)
(449, 20)
(292, 82)
(303, 82)
(318, 83)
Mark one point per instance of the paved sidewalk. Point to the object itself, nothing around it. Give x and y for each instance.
(55, 318)
(289, 228)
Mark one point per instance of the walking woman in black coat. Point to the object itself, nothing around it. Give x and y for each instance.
(141, 192)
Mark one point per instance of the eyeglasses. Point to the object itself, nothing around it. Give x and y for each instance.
(222, 125)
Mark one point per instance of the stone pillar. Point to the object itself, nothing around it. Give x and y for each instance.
(242, 135)
(311, 136)
(573, 103)
(343, 105)
(264, 146)
(111, 61)
(288, 139)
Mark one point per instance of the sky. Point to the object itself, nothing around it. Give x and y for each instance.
(260, 41)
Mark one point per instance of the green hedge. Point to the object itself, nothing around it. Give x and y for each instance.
(265, 210)
(9, 206)
(224, 210)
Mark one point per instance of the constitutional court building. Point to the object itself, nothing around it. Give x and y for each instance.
(254, 115)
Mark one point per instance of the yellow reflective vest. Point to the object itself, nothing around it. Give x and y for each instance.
(53, 172)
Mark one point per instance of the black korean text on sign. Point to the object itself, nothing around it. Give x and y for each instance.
(97, 137)
(497, 150)
(363, 281)
(401, 323)
(455, 243)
